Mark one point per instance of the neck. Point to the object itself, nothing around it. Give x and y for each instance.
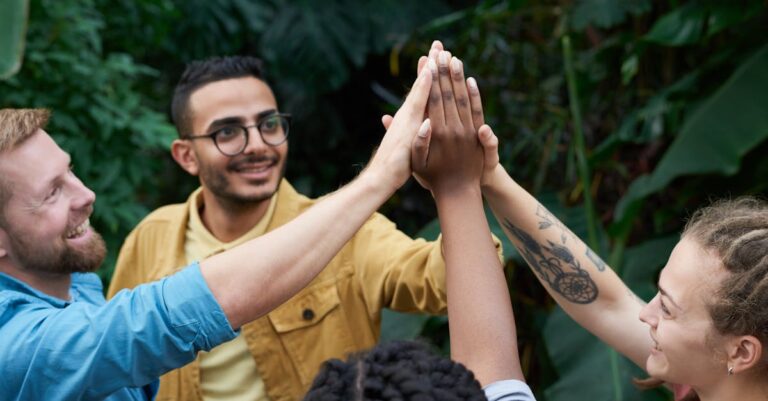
(228, 221)
(53, 284)
(742, 387)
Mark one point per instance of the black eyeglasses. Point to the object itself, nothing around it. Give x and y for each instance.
(232, 140)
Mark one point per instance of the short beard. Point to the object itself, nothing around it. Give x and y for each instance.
(59, 260)
(218, 184)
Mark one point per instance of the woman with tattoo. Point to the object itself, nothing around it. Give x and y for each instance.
(708, 324)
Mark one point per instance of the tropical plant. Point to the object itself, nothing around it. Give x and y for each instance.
(620, 116)
(13, 25)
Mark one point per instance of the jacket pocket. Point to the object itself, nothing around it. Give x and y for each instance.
(312, 328)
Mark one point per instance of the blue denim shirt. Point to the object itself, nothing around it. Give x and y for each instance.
(90, 349)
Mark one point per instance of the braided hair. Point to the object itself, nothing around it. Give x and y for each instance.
(396, 371)
(737, 231)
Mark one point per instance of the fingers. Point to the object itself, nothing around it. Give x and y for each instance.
(422, 63)
(446, 88)
(476, 103)
(386, 121)
(416, 101)
(420, 146)
(435, 108)
(460, 93)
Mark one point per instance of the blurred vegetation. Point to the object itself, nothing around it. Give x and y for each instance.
(621, 116)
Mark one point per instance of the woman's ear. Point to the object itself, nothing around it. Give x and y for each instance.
(185, 156)
(744, 352)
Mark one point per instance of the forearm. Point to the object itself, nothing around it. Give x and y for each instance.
(575, 276)
(482, 326)
(256, 277)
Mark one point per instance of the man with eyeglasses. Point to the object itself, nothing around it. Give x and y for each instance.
(234, 138)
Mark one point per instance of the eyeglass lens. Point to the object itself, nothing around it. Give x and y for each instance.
(233, 140)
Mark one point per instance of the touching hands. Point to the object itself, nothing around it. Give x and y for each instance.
(455, 110)
(392, 161)
(454, 158)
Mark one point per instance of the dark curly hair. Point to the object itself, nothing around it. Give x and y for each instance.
(401, 370)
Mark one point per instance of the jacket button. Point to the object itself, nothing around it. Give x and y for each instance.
(308, 314)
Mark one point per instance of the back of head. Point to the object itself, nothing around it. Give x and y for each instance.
(737, 232)
(395, 371)
(202, 72)
(16, 126)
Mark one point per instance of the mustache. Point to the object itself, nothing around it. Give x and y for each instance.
(251, 159)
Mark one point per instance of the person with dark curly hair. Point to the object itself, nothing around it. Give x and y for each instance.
(483, 337)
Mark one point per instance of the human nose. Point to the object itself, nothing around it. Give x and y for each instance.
(82, 196)
(254, 142)
(648, 314)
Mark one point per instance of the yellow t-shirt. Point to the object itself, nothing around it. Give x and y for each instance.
(228, 372)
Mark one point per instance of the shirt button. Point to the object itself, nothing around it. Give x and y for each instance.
(308, 314)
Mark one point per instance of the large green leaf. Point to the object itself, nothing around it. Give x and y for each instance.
(13, 27)
(589, 369)
(694, 21)
(717, 135)
(606, 13)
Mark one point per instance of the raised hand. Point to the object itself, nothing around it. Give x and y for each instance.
(486, 136)
(392, 161)
(454, 158)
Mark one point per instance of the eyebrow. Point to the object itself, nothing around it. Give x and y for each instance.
(223, 122)
(666, 294)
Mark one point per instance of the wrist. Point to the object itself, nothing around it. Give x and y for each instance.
(492, 181)
(456, 193)
(377, 183)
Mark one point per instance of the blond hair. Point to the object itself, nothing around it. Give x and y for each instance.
(16, 126)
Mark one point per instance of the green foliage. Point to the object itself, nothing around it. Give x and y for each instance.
(98, 116)
(13, 26)
(606, 13)
(668, 100)
(717, 135)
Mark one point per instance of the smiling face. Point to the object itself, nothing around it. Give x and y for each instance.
(46, 227)
(252, 176)
(680, 324)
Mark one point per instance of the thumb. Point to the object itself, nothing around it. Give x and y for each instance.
(490, 144)
(420, 146)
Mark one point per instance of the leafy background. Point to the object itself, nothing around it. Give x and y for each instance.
(621, 116)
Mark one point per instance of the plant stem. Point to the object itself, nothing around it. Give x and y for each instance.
(579, 147)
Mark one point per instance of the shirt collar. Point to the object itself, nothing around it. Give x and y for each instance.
(10, 283)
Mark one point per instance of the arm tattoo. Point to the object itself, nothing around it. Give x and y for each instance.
(549, 220)
(596, 260)
(549, 260)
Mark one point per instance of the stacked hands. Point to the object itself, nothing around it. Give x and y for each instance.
(453, 149)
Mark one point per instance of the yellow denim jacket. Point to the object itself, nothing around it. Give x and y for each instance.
(339, 312)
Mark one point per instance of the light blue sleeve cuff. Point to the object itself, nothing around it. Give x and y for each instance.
(193, 311)
(508, 390)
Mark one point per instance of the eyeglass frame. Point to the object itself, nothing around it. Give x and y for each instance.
(246, 130)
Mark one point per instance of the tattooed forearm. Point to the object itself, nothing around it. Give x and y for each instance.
(596, 260)
(549, 220)
(549, 261)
